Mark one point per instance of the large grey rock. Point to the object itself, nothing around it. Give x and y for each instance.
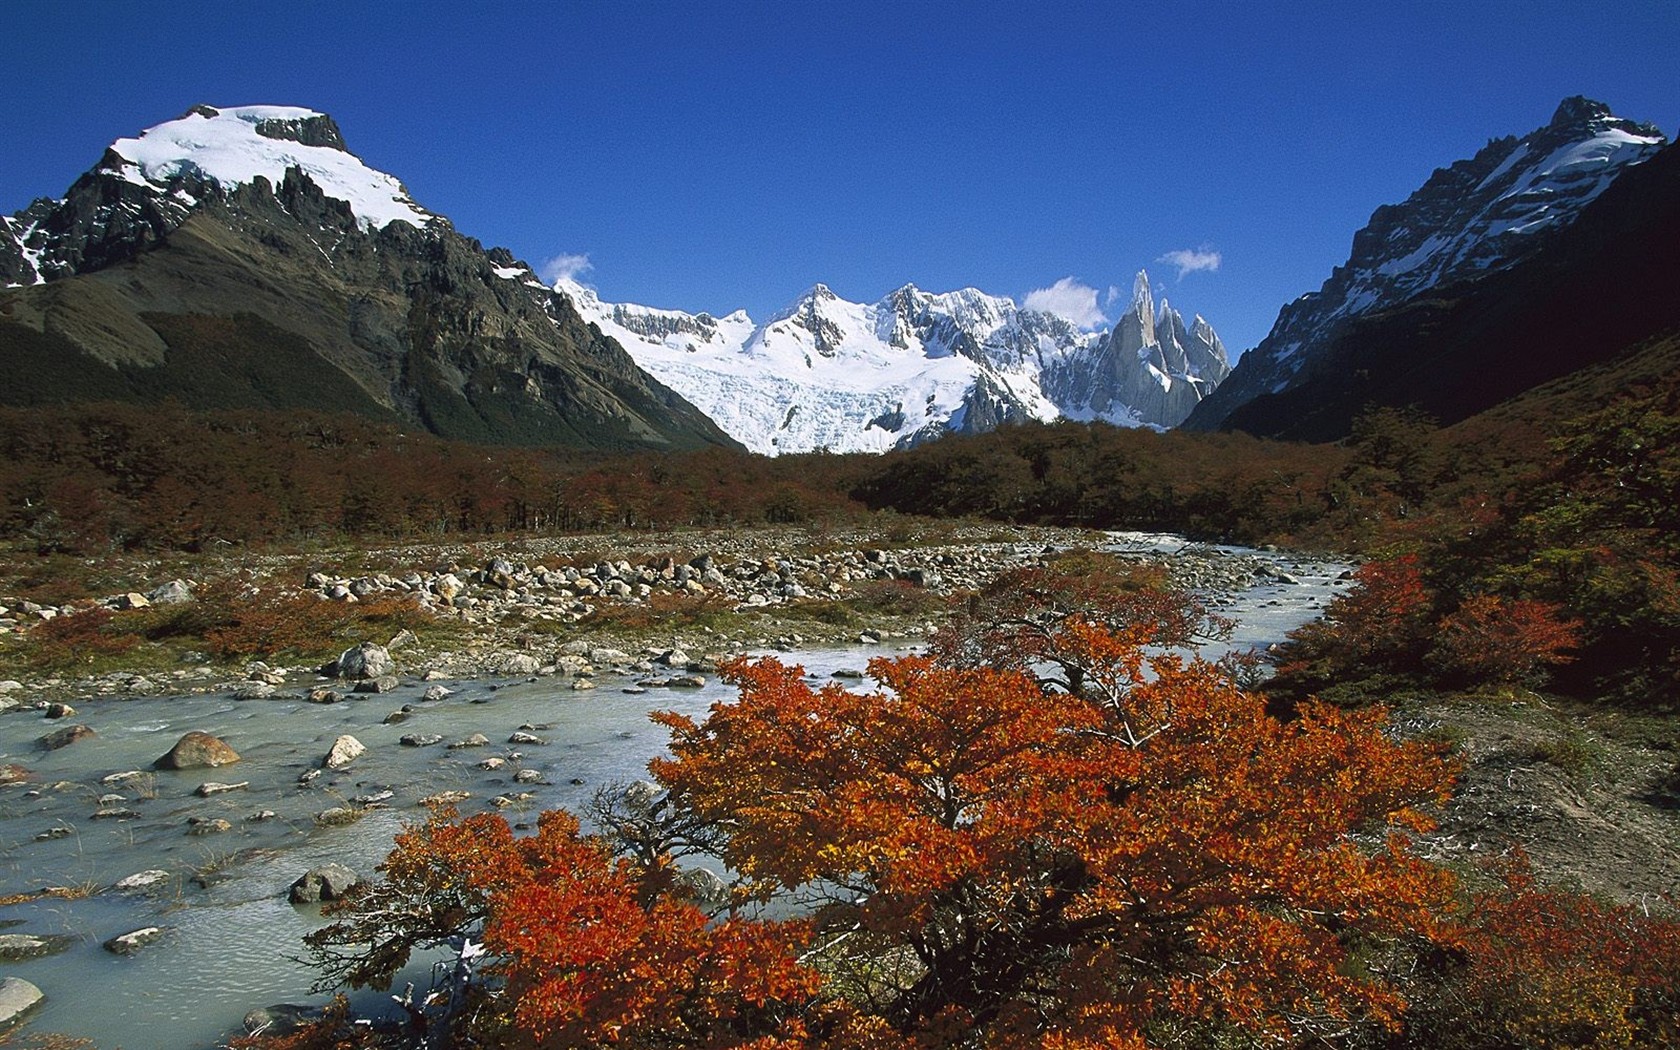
(512, 664)
(702, 886)
(197, 750)
(366, 660)
(327, 882)
(344, 751)
(17, 998)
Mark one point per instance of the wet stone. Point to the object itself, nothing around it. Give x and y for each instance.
(132, 941)
(141, 880)
(16, 947)
(60, 738)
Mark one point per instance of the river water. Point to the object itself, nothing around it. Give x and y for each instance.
(232, 939)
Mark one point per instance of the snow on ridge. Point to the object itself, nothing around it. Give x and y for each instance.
(827, 373)
(228, 149)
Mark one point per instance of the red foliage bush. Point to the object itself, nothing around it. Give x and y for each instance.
(1512, 641)
(1554, 969)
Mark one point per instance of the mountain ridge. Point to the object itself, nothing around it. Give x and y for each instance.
(1472, 217)
(1595, 291)
(824, 373)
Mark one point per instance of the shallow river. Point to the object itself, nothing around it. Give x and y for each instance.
(232, 937)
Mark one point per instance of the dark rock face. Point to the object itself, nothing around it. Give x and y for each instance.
(275, 296)
(197, 750)
(1469, 219)
(1598, 292)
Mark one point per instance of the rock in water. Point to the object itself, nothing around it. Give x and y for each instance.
(211, 787)
(328, 882)
(197, 750)
(281, 1018)
(64, 737)
(365, 661)
(344, 751)
(141, 880)
(17, 998)
(15, 947)
(132, 941)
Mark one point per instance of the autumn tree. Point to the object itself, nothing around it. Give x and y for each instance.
(580, 948)
(1509, 641)
(1000, 864)
(1015, 622)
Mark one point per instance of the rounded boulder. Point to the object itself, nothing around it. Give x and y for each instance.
(197, 750)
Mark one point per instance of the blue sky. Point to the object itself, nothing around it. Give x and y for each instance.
(714, 156)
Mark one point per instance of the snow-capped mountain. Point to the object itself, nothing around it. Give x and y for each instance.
(1149, 369)
(1471, 218)
(244, 257)
(826, 373)
(142, 187)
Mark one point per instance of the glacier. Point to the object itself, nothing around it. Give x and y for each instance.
(828, 374)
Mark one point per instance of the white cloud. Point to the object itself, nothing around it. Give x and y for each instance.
(567, 265)
(1191, 260)
(1069, 300)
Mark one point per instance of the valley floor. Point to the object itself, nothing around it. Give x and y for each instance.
(1585, 793)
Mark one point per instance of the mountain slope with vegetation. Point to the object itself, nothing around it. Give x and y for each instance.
(202, 280)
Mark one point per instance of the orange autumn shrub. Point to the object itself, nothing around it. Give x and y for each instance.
(1551, 969)
(1052, 868)
(1509, 641)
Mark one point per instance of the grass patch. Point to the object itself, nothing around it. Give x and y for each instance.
(1574, 752)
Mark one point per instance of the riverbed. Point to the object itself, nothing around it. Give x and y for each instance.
(231, 937)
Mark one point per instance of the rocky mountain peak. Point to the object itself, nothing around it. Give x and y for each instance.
(1471, 218)
(1141, 294)
(1579, 109)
